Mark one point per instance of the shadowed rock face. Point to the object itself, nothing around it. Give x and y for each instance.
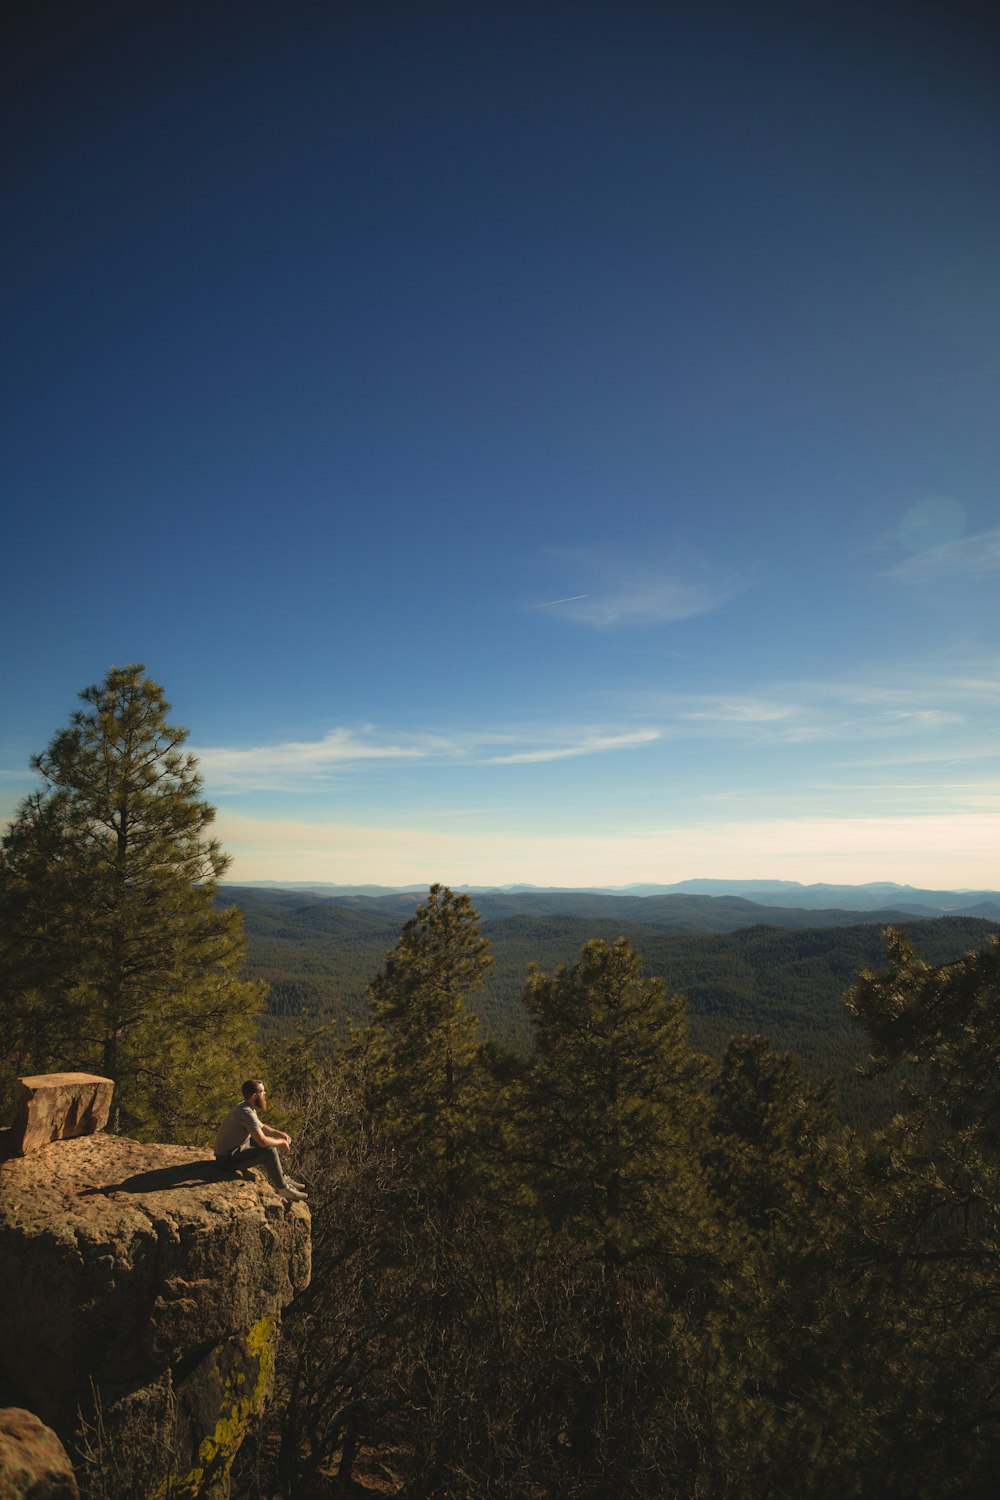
(131, 1261)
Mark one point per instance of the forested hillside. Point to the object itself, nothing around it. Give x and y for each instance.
(786, 979)
(622, 1268)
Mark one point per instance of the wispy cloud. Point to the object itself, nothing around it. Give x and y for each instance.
(550, 603)
(899, 714)
(301, 765)
(650, 600)
(287, 762)
(739, 711)
(622, 592)
(949, 706)
(590, 745)
(753, 721)
(970, 556)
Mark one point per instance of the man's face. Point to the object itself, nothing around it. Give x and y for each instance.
(260, 1098)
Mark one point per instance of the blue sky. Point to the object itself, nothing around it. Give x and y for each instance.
(538, 442)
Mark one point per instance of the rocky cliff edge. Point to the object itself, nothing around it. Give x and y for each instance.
(141, 1291)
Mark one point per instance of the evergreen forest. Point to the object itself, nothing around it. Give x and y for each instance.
(600, 1208)
(615, 1264)
(738, 970)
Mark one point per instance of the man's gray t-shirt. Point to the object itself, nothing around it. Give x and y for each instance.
(240, 1123)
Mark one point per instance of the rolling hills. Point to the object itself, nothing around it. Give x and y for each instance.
(742, 966)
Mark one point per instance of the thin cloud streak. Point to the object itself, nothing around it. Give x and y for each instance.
(914, 715)
(594, 746)
(938, 755)
(739, 711)
(624, 594)
(650, 601)
(301, 765)
(264, 765)
(548, 603)
(915, 705)
(970, 556)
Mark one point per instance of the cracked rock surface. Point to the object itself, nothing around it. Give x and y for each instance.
(120, 1260)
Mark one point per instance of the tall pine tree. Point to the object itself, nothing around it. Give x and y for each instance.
(421, 1045)
(114, 956)
(613, 1107)
(424, 1097)
(933, 1227)
(610, 1127)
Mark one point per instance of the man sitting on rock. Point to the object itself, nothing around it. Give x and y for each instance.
(243, 1141)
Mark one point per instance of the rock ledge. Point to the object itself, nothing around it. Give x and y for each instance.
(136, 1265)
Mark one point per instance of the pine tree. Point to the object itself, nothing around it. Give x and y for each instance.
(613, 1103)
(611, 1129)
(933, 1229)
(423, 1094)
(792, 1340)
(115, 957)
(773, 1134)
(943, 1022)
(421, 1045)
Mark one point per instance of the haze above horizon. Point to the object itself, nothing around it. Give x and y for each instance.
(529, 445)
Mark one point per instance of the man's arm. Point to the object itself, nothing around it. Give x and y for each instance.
(265, 1136)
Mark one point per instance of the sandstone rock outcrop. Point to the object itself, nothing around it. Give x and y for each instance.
(143, 1287)
(57, 1107)
(33, 1463)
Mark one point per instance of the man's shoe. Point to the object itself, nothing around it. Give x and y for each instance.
(292, 1194)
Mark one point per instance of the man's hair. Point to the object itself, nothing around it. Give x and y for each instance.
(251, 1086)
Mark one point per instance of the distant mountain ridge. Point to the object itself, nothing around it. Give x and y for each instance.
(881, 900)
(677, 912)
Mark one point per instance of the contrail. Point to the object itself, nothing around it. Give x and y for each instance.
(547, 604)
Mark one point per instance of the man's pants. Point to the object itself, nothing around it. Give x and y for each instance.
(257, 1156)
